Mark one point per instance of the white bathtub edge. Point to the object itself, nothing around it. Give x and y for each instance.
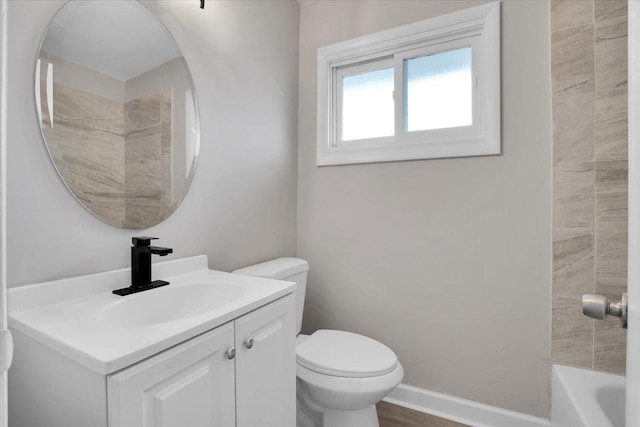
(563, 415)
(574, 399)
(460, 410)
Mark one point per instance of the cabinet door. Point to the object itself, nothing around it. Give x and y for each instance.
(266, 372)
(190, 385)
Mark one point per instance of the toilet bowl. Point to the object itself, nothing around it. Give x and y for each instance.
(343, 375)
(340, 375)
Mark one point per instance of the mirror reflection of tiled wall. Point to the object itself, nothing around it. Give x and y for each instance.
(147, 159)
(589, 88)
(114, 156)
(86, 142)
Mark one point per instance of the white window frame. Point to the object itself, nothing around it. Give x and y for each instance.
(477, 27)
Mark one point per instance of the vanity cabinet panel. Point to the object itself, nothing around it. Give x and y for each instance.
(265, 366)
(189, 385)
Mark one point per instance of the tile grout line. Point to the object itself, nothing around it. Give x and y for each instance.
(595, 237)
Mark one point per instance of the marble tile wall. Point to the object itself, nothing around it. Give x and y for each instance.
(115, 157)
(589, 89)
(86, 143)
(147, 122)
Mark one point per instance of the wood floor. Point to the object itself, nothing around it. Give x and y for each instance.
(397, 416)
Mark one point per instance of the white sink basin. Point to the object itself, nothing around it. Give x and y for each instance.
(168, 304)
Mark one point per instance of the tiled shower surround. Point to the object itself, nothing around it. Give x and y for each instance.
(131, 186)
(79, 136)
(589, 88)
(147, 159)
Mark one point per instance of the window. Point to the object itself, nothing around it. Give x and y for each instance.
(366, 104)
(425, 90)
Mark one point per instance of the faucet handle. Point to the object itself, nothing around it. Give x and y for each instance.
(142, 241)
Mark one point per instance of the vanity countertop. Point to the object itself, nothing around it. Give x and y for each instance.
(81, 318)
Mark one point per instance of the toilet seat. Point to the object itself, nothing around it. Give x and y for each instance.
(346, 393)
(345, 354)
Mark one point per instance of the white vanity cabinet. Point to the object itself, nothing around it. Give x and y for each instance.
(239, 374)
(85, 357)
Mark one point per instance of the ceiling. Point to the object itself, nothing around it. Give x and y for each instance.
(120, 38)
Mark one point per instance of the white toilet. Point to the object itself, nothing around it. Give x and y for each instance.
(341, 375)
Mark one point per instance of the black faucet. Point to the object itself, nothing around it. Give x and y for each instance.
(141, 252)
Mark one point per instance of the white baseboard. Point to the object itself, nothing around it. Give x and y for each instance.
(460, 410)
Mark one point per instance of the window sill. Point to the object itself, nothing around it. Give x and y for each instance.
(372, 153)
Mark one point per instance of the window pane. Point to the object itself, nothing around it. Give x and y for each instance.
(439, 91)
(367, 105)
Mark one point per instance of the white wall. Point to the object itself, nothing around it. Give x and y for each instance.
(241, 207)
(446, 261)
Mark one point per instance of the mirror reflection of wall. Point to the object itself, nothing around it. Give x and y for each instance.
(117, 111)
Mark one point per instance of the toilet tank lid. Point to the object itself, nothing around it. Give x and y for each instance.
(280, 268)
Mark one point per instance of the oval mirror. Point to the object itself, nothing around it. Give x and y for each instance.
(118, 112)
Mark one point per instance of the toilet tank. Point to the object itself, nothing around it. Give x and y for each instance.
(289, 269)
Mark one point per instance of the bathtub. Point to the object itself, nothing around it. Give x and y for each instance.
(584, 398)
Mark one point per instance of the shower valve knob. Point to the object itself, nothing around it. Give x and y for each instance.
(599, 307)
(595, 305)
